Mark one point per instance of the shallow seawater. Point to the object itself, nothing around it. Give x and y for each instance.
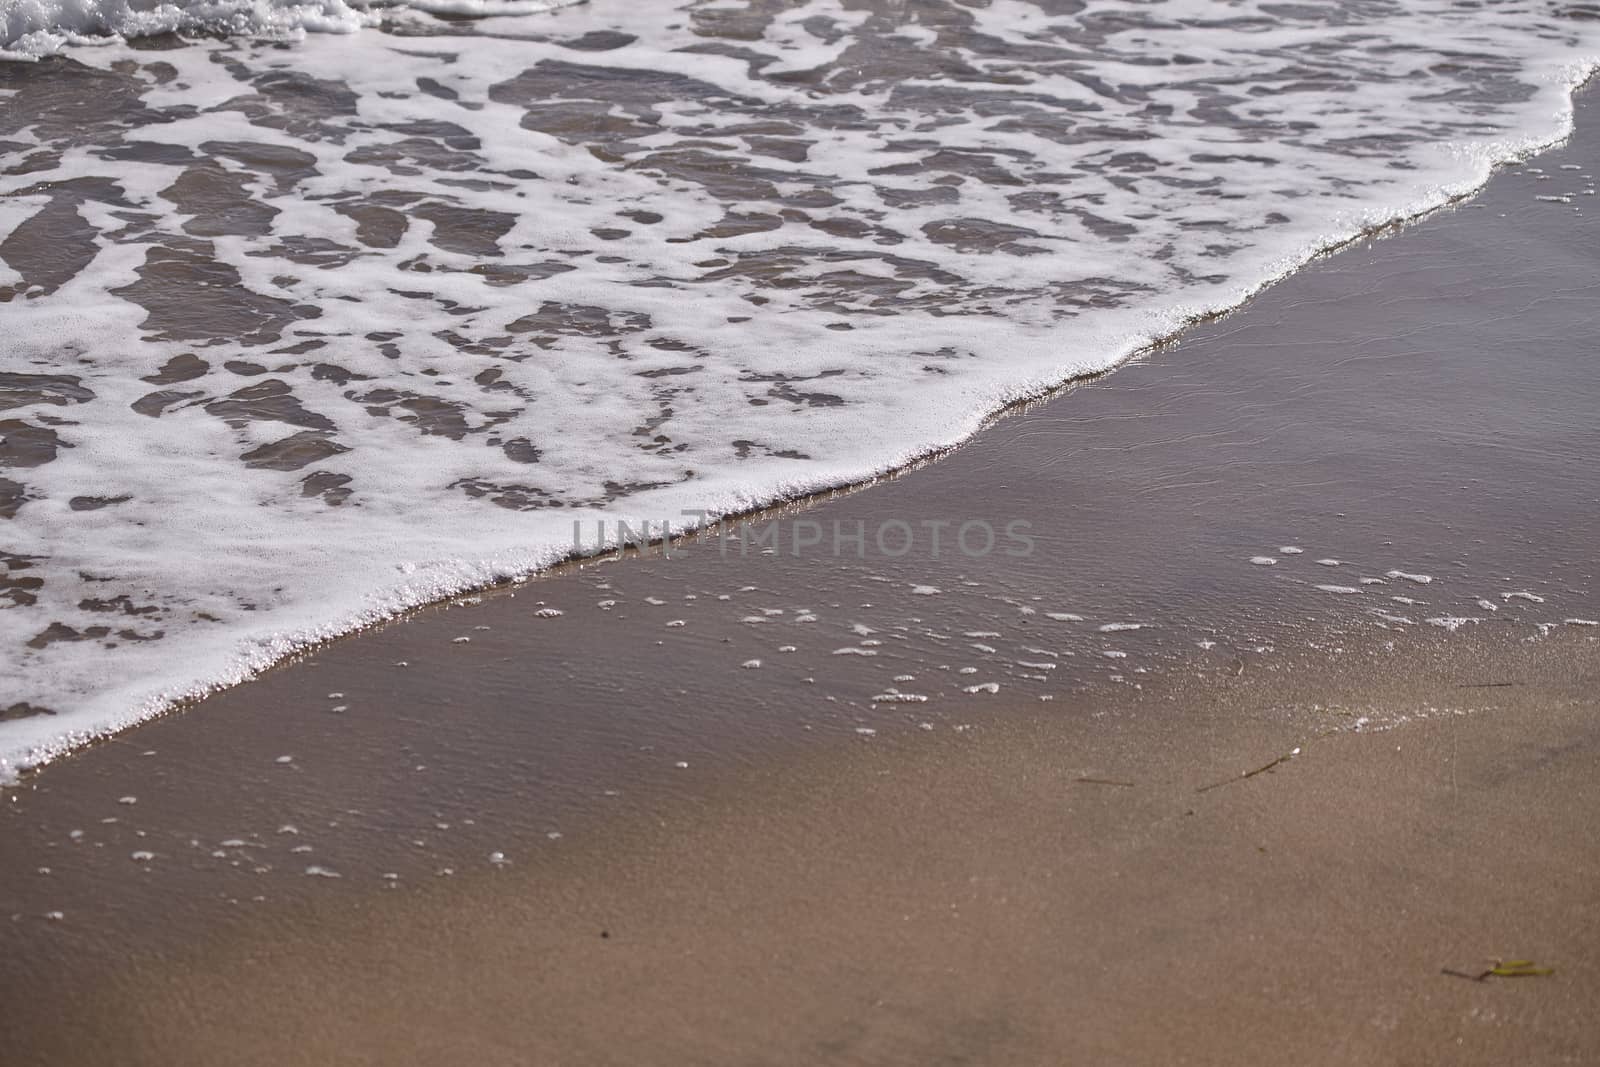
(301, 333)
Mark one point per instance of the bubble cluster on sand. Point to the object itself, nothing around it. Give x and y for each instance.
(894, 696)
(1002, 646)
(1524, 605)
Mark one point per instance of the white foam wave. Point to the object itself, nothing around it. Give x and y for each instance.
(753, 289)
(31, 29)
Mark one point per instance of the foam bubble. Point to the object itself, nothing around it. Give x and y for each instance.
(35, 28)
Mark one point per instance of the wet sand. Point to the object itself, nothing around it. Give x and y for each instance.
(992, 901)
(788, 870)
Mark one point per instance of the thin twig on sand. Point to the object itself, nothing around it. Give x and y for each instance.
(1503, 969)
(1263, 769)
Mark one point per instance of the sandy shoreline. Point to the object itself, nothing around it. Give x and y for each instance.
(984, 897)
(794, 871)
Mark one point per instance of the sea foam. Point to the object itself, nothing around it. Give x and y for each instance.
(301, 336)
(30, 29)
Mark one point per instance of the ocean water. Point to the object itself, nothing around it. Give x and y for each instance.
(322, 312)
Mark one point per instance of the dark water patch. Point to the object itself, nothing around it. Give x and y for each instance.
(489, 346)
(554, 320)
(469, 231)
(33, 163)
(148, 152)
(287, 167)
(190, 296)
(22, 390)
(1094, 292)
(61, 101)
(22, 710)
(637, 94)
(159, 42)
(414, 156)
(474, 185)
(59, 631)
(511, 496)
(154, 404)
(12, 496)
(137, 226)
(51, 247)
(912, 198)
(452, 135)
(376, 226)
(724, 177)
(331, 487)
(520, 450)
(294, 452)
(983, 235)
(181, 368)
(23, 444)
(302, 106)
(743, 449)
(299, 348)
(268, 401)
(981, 165)
(220, 202)
(123, 605)
(600, 41)
(785, 391)
(844, 290)
(95, 503)
(320, 252)
(19, 588)
(431, 415)
(788, 149)
(331, 372)
(434, 89)
(852, 229)
(502, 274)
(737, 224)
